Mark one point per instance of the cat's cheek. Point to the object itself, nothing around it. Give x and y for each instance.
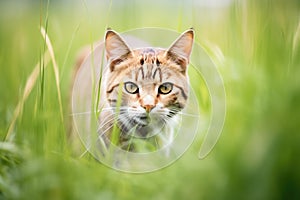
(131, 113)
(159, 106)
(165, 100)
(133, 104)
(126, 100)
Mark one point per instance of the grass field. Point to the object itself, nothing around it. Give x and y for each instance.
(256, 48)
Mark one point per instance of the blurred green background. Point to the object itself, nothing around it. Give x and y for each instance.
(256, 47)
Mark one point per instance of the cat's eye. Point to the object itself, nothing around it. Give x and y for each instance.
(131, 88)
(165, 88)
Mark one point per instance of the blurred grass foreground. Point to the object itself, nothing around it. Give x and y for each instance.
(256, 47)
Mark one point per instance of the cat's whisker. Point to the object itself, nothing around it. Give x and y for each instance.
(90, 112)
(82, 113)
(188, 114)
(111, 108)
(125, 124)
(106, 123)
(115, 118)
(120, 120)
(116, 107)
(169, 119)
(107, 117)
(113, 114)
(106, 130)
(166, 121)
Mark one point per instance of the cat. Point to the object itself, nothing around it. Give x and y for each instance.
(145, 88)
(143, 91)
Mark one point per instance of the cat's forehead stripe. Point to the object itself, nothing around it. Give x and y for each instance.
(148, 72)
(140, 75)
(157, 72)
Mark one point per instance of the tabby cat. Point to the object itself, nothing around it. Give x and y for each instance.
(143, 91)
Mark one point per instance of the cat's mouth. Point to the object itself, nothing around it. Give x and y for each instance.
(143, 120)
(143, 125)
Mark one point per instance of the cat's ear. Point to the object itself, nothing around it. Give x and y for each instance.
(116, 48)
(181, 49)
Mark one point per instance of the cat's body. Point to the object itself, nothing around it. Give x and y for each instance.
(142, 91)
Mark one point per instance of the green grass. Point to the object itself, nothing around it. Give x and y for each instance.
(255, 46)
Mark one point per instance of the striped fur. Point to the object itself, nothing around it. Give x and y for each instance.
(148, 111)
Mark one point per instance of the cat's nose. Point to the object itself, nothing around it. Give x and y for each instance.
(148, 108)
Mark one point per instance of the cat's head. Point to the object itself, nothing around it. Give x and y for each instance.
(149, 85)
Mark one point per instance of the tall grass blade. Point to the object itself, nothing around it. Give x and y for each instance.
(31, 81)
(55, 68)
